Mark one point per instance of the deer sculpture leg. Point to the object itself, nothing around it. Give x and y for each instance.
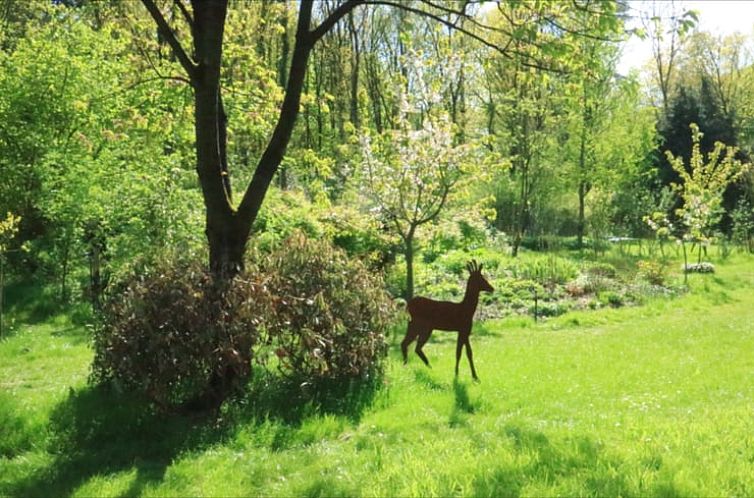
(411, 332)
(423, 338)
(459, 349)
(470, 356)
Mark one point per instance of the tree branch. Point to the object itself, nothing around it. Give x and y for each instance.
(333, 18)
(272, 156)
(504, 51)
(186, 14)
(166, 32)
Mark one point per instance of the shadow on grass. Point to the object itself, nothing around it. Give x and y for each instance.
(546, 462)
(96, 432)
(31, 302)
(269, 396)
(423, 376)
(462, 405)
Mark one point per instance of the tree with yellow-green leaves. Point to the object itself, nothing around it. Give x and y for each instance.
(704, 181)
(8, 230)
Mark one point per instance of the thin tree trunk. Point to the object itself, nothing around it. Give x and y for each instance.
(581, 224)
(685, 263)
(282, 80)
(355, 65)
(64, 272)
(409, 253)
(2, 295)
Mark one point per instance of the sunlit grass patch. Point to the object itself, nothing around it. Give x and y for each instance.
(649, 400)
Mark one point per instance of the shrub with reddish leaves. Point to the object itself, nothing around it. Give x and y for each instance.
(307, 309)
(168, 331)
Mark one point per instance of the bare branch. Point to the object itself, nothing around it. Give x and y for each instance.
(333, 18)
(186, 13)
(505, 51)
(169, 36)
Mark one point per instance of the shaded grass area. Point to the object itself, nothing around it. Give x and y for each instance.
(654, 400)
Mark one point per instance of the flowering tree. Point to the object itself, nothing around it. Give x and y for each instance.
(704, 182)
(410, 174)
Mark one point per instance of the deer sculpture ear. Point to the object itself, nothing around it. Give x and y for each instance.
(480, 267)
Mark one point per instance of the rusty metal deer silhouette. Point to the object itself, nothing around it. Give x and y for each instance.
(428, 315)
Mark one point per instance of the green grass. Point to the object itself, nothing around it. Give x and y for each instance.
(652, 400)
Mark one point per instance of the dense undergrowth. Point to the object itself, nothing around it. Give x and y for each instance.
(648, 400)
(559, 281)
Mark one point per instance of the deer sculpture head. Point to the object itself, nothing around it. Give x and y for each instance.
(477, 282)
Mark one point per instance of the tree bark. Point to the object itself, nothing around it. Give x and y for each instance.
(355, 64)
(273, 154)
(581, 223)
(227, 229)
(408, 241)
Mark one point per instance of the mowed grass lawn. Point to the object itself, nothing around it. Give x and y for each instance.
(653, 400)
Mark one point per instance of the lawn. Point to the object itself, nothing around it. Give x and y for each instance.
(650, 400)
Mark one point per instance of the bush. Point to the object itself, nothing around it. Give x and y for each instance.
(169, 332)
(703, 267)
(652, 271)
(330, 313)
(601, 269)
(545, 309)
(612, 298)
(547, 271)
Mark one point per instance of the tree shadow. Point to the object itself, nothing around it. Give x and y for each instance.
(550, 463)
(30, 302)
(291, 400)
(98, 432)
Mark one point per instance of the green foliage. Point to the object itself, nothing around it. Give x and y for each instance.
(612, 298)
(743, 224)
(704, 182)
(601, 269)
(653, 272)
(546, 270)
(330, 314)
(288, 212)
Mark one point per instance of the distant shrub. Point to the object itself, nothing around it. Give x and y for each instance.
(546, 309)
(548, 271)
(652, 271)
(601, 269)
(612, 298)
(703, 267)
(330, 312)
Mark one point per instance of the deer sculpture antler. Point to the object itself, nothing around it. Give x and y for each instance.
(428, 315)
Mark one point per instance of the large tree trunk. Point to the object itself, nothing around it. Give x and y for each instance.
(228, 229)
